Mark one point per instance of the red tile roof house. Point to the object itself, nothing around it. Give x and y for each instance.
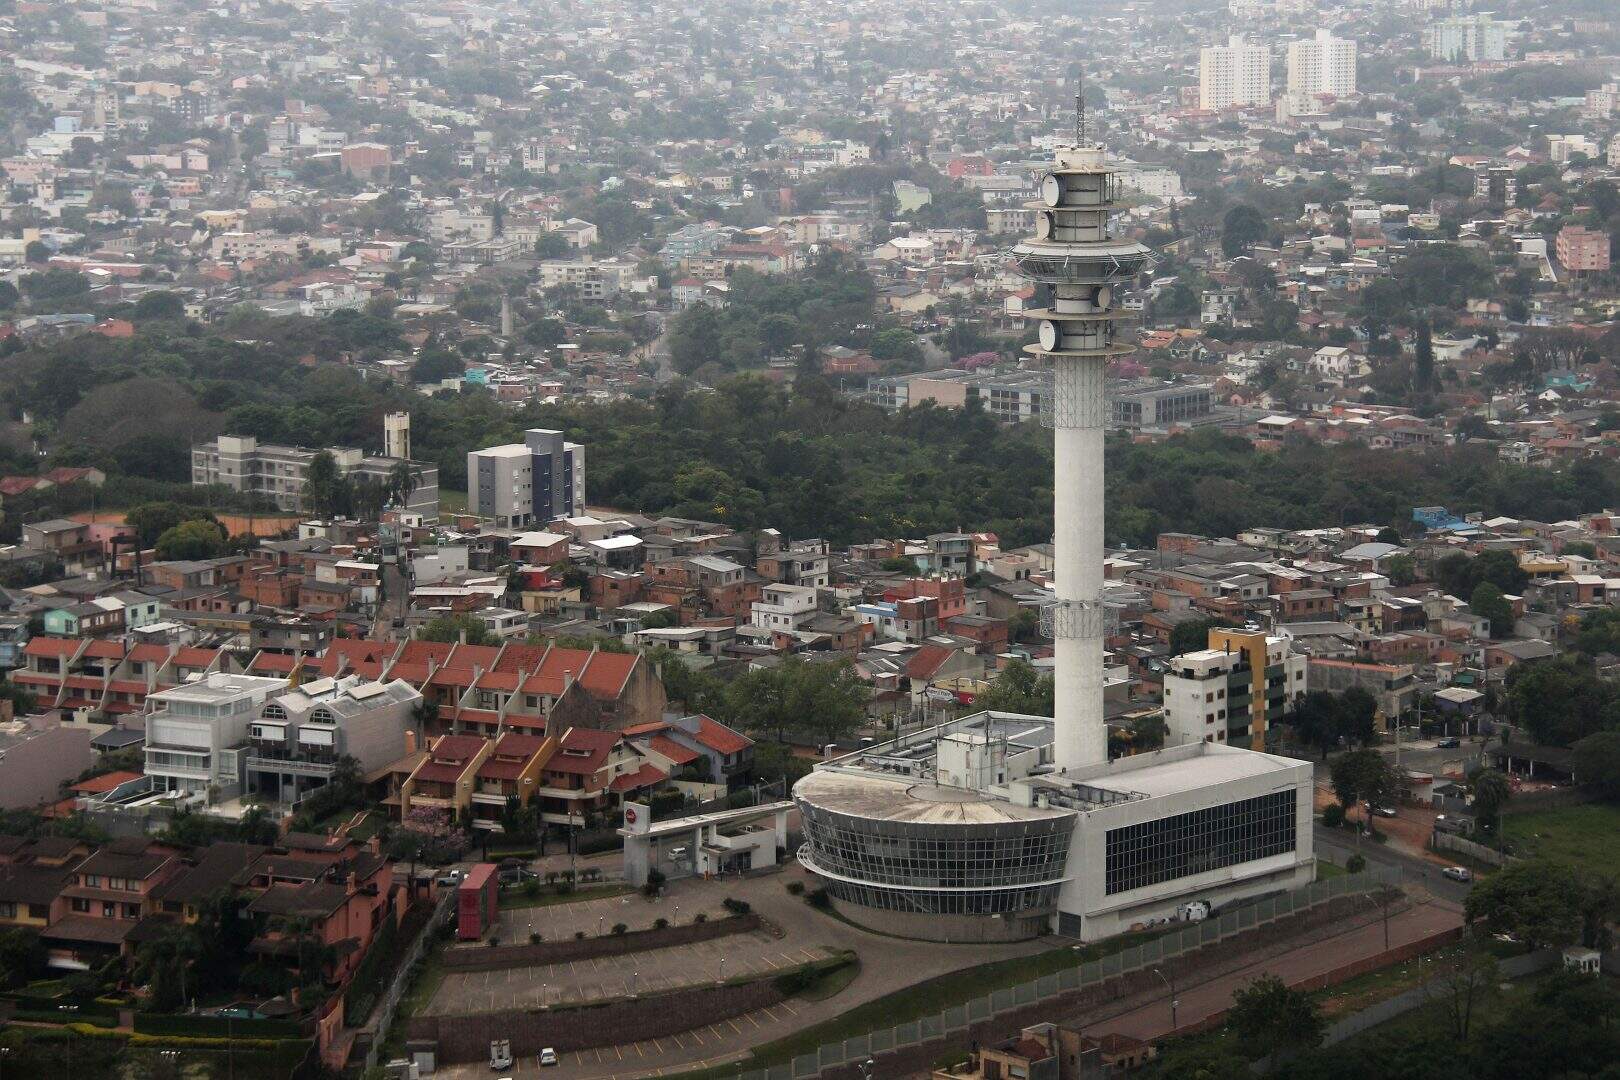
(106, 897)
(341, 906)
(538, 689)
(592, 772)
(711, 750)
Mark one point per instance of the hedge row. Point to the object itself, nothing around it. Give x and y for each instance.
(216, 1027)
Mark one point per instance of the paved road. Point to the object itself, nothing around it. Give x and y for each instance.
(1153, 1019)
(1340, 845)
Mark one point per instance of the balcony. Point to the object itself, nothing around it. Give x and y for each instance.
(290, 766)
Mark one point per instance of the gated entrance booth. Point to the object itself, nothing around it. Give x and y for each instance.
(724, 842)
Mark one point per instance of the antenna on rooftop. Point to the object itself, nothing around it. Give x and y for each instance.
(1082, 129)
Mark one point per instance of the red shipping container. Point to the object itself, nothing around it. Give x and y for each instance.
(476, 899)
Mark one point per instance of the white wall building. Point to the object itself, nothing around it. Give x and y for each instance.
(1209, 694)
(783, 607)
(1470, 37)
(1234, 75)
(951, 834)
(520, 485)
(1322, 65)
(196, 733)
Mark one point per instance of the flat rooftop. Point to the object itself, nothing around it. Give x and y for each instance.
(896, 798)
(1214, 764)
(898, 780)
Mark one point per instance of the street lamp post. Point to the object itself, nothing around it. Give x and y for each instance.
(1382, 900)
(1170, 986)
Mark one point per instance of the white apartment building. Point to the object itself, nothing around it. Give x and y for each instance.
(1153, 182)
(783, 607)
(242, 463)
(196, 734)
(1469, 37)
(520, 485)
(269, 245)
(1322, 65)
(1234, 75)
(1209, 695)
(1603, 102)
(296, 739)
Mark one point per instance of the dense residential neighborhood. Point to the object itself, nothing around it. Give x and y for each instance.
(975, 540)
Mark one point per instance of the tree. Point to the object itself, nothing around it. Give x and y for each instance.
(520, 823)
(1599, 757)
(695, 338)
(1364, 774)
(1559, 701)
(1241, 229)
(1537, 902)
(1401, 570)
(552, 246)
(257, 827)
(22, 957)
(326, 490)
(1423, 359)
(1314, 717)
(1491, 792)
(434, 365)
(1487, 602)
(163, 962)
(403, 480)
(1019, 689)
(1468, 975)
(451, 628)
(196, 539)
(37, 252)
(1269, 1019)
(1599, 632)
(1192, 635)
(819, 703)
(159, 305)
(152, 520)
(1327, 720)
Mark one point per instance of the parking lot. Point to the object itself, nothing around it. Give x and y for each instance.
(594, 918)
(755, 953)
(713, 1044)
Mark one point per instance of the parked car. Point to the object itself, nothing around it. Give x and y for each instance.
(450, 878)
(500, 1054)
(1449, 744)
(516, 875)
(1383, 811)
(548, 1056)
(1453, 823)
(1458, 873)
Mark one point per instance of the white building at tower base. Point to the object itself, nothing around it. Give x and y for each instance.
(967, 832)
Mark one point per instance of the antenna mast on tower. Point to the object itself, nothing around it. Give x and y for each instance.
(1082, 130)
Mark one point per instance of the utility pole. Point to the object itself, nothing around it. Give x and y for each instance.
(1169, 984)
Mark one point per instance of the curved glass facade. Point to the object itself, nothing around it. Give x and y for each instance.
(947, 869)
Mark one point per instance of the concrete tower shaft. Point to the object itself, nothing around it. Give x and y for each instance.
(1076, 256)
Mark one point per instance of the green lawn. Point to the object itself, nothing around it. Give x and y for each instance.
(1583, 836)
(1326, 870)
(452, 502)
